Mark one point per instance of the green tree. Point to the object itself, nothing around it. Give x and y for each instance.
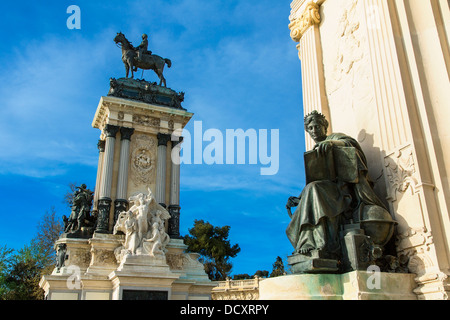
(49, 228)
(262, 273)
(243, 276)
(214, 248)
(21, 270)
(6, 256)
(278, 268)
(21, 282)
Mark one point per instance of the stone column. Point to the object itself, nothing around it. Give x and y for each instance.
(104, 202)
(161, 169)
(101, 153)
(174, 207)
(305, 30)
(121, 202)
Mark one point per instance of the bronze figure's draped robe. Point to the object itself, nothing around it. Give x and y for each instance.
(324, 205)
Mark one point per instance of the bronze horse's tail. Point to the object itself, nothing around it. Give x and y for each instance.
(169, 63)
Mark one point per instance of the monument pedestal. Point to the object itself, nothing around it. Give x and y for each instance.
(103, 260)
(91, 272)
(355, 285)
(142, 277)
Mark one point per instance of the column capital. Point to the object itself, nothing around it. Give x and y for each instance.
(126, 133)
(175, 142)
(309, 17)
(101, 145)
(111, 130)
(163, 138)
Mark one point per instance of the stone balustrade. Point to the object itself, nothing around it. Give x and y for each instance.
(237, 289)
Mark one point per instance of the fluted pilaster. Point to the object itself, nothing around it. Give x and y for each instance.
(161, 168)
(101, 153)
(174, 207)
(104, 202)
(121, 203)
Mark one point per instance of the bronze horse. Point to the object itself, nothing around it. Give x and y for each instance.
(148, 61)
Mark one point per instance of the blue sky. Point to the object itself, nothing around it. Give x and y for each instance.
(234, 60)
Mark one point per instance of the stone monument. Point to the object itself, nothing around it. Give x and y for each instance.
(123, 241)
(378, 70)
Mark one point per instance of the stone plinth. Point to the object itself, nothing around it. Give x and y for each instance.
(77, 255)
(91, 272)
(142, 273)
(356, 285)
(103, 260)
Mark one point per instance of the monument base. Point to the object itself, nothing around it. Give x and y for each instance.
(91, 272)
(355, 285)
(314, 264)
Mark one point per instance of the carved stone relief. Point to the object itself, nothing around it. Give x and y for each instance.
(413, 239)
(78, 257)
(175, 260)
(143, 159)
(103, 257)
(347, 69)
(236, 295)
(146, 120)
(401, 171)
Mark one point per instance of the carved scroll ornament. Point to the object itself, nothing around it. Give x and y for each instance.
(309, 17)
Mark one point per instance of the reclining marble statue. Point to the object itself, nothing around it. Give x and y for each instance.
(339, 223)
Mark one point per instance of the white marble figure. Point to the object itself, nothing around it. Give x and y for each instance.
(140, 210)
(144, 227)
(131, 239)
(159, 236)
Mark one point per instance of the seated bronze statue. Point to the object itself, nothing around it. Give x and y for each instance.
(338, 193)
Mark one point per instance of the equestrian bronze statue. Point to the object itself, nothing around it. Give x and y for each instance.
(140, 57)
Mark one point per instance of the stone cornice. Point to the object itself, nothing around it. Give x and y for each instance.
(310, 16)
(110, 104)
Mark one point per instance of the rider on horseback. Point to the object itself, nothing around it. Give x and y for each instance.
(142, 48)
(140, 57)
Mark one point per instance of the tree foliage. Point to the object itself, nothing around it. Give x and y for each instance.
(49, 229)
(20, 279)
(214, 248)
(262, 273)
(242, 276)
(278, 268)
(21, 270)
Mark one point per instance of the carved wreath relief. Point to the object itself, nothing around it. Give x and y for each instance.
(143, 157)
